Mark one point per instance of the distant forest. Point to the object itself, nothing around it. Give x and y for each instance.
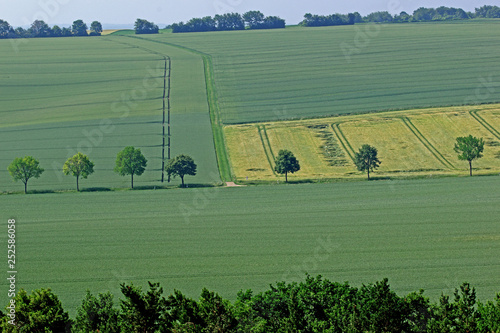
(251, 20)
(232, 21)
(257, 20)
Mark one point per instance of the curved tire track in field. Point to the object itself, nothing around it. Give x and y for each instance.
(484, 123)
(437, 154)
(266, 145)
(343, 141)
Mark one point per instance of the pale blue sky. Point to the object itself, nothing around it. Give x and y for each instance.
(23, 12)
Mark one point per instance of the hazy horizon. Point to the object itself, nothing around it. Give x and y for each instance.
(122, 14)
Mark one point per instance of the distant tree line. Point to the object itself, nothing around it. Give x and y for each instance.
(314, 305)
(420, 15)
(229, 21)
(251, 20)
(311, 20)
(40, 29)
(142, 26)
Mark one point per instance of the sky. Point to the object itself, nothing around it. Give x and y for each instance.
(125, 12)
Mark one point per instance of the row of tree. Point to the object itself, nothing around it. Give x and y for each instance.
(311, 20)
(229, 21)
(315, 305)
(422, 14)
(130, 161)
(41, 29)
(468, 148)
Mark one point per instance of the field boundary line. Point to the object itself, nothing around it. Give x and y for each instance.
(220, 146)
(263, 141)
(268, 142)
(343, 140)
(215, 117)
(423, 140)
(484, 123)
(166, 97)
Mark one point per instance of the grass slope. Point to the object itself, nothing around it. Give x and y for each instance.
(304, 72)
(431, 234)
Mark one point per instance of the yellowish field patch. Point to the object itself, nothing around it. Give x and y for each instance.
(410, 143)
(305, 146)
(398, 148)
(492, 116)
(248, 157)
(108, 31)
(442, 128)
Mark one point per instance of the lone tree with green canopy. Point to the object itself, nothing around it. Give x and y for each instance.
(286, 163)
(366, 159)
(79, 28)
(79, 166)
(24, 169)
(96, 28)
(180, 166)
(130, 161)
(469, 148)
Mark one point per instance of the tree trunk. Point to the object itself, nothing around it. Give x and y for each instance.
(368, 173)
(182, 179)
(77, 187)
(286, 177)
(132, 180)
(470, 168)
(26, 187)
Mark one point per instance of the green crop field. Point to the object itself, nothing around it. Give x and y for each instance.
(242, 90)
(58, 98)
(313, 72)
(431, 234)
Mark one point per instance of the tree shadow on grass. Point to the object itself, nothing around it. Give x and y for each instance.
(162, 187)
(190, 185)
(41, 191)
(96, 189)
(374, 178)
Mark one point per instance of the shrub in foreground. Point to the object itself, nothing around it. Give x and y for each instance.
(314, 305)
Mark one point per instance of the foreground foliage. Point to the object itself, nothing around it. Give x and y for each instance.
(314, 305)
(41, 311)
